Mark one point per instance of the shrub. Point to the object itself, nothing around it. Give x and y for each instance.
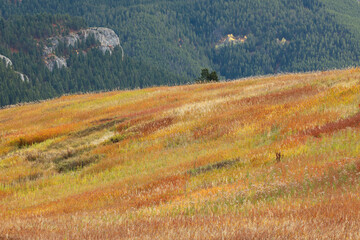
(117, 138)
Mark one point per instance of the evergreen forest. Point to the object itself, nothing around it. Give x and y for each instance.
(168, 42)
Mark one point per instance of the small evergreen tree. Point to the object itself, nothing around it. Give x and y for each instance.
(213, 77)
(206, 76)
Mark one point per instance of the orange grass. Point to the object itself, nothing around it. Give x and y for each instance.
(42, 135)
(187, 162)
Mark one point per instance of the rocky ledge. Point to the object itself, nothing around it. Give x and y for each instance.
(9, 64)
(106, 37)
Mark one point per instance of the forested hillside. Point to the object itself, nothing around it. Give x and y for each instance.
(167, 42)
(347, 13)
(22, 39)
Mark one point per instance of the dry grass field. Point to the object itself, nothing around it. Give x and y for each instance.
(274, 157)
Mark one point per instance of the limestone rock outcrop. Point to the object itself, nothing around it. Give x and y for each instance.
(9, 64)
(23, 77)
(52, 60)
(106, 37)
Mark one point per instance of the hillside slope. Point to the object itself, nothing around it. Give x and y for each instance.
(267, 158)
(169, 42)
(56, 58)
(347, 13)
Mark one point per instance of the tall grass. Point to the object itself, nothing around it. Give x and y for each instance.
(198, 161)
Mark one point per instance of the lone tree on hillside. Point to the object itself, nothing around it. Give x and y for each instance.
(206, 76)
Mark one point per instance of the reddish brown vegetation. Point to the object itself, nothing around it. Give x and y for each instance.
(279, 97)
(353, 121)
(13, 50)
(153, 126)
(42, 135)
(217, 161)
(3, 194)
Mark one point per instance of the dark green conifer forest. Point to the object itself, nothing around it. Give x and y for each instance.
(168, 42)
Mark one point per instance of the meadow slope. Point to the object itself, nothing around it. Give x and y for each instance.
(267, 158)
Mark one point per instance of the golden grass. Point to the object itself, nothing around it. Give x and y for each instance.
(188, 162)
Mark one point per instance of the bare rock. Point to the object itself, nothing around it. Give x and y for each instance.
(8, 62)
(53, 61)
(23, 77)
(106, 37)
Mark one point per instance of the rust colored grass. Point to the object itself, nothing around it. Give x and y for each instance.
(350, 122)
(153, 126)
(42, 135)
(279, 97)
(272, 157)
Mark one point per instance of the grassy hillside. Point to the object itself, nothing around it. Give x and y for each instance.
(262, 158)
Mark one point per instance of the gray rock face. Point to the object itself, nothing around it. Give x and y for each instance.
(53, 60)
(107, 38)
(51, 46)
(23, 77)
(8, 62)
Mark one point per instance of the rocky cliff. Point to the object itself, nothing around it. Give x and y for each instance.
(106, 37)
(8, 63)
(23, 77)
